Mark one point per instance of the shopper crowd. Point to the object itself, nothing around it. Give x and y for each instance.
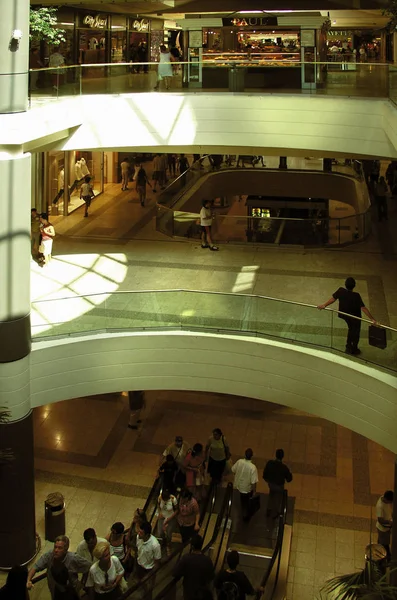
(130, 556)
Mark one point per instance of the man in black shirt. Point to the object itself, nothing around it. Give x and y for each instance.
(276, 474)
(230, 583)
(351, 303)
(196, 569)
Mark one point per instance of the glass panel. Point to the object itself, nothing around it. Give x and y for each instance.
(165, 220)
(207, 311)
(219, 73)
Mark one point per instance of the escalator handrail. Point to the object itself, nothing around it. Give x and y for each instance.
(176, 552)
(154, 492)
(226, 517)
(226, 505)
(278, 546)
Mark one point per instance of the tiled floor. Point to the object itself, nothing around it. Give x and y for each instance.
(84, 450)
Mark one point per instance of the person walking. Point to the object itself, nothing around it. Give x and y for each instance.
(164, 68)
(47, 239)
(384, 520)
(171, 164)
(350, 303)
(34, 232)
(217, 452)
(381, 198)
(233, 583)
(125, 173)
(140, 186)
(62, 569)
(158, 172)
(87, 193)
(196, 569)
(245, 480)
(276, 474)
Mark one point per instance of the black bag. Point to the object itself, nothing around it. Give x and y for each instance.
(255, 504)
(377, 337)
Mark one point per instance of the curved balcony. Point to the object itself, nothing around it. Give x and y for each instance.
(265, 348)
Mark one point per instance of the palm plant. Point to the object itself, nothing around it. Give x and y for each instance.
(371, 583)
(6, 454)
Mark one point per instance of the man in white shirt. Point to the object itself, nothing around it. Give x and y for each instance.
(384, 520)
(125, 173)
(245, 480)
(148, 551)
(86, 547)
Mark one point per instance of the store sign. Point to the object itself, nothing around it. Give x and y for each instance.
(95, 22)
(140, 25)
(250, 21)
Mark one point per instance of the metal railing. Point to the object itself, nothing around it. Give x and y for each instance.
(215, 312)
(375, 80)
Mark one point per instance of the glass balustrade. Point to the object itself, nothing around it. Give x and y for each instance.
(203, 311)
(370, 80)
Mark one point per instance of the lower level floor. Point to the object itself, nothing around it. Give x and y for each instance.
(85, 450)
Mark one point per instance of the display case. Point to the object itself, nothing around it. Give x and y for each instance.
(262, 69)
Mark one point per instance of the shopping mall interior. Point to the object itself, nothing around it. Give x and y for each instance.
(130, 331)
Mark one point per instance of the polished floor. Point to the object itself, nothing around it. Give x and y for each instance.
(84, 450)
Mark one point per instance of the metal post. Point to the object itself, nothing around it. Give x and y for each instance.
(393, 573)
(66, 193)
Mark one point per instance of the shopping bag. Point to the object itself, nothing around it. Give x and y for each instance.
(377, 337)
(255, 504)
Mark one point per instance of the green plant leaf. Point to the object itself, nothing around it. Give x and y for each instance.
(43, 26)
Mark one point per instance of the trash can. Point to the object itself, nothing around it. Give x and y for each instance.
(237, 79)
(54, 514)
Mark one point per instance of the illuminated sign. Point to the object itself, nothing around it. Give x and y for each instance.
(142, 25)
(95, 22)
(250, 21)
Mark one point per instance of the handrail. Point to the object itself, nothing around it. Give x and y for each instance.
(232, 61)
(228, 500)
(179, 290)
(153, 574)
(155, 491)
(278, 546)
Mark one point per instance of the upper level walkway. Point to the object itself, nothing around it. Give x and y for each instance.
(350, 113)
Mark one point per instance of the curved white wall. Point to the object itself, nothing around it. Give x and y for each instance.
(318, 382)
(279, 124)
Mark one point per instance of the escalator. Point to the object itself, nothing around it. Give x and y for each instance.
(214, 530)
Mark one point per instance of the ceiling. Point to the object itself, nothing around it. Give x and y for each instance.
(341, 15)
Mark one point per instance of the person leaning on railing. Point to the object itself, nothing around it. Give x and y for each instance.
(351, 303)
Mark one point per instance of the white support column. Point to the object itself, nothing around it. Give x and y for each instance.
(14, 55)
(17, 500)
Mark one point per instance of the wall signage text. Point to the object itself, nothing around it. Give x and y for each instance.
(96, 22)
(140, 25)
(250, 21)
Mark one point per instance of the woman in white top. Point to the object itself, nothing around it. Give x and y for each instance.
(104, 576)
(166, 506)
(117, 542)
(165, 68)
(47, 239)
(206, 222)
(87, 193)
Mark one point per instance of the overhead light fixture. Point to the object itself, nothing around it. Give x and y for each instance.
(249, 12)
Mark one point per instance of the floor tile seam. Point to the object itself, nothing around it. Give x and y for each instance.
(89, 483)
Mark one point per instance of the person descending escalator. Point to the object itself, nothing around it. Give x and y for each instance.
(232, 584)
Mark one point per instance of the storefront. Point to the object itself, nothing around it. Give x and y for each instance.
(96, 37)
(64, 173)
(269, 54)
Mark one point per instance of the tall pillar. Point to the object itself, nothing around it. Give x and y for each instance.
(17, 509)
(393, 572)
(14, 55)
